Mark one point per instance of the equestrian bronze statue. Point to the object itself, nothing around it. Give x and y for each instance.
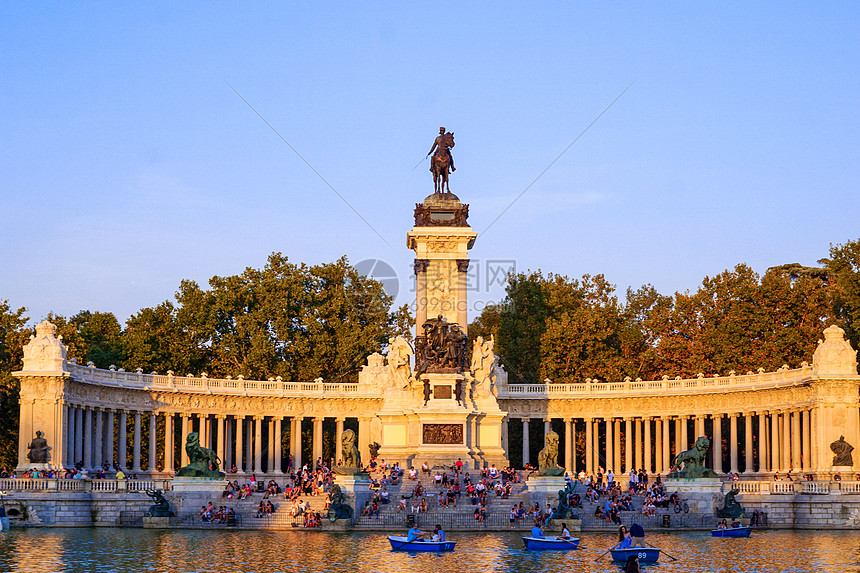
(442, 162)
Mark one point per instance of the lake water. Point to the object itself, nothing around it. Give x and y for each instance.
(145, 551)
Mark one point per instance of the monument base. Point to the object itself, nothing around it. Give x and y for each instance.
(847, 473)
(155, 522)
(198, 485)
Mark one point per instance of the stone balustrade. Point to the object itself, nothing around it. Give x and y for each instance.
(83, 485)
(715, 384)
(800, 487)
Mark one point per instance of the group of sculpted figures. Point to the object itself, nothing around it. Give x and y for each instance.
(443, 348)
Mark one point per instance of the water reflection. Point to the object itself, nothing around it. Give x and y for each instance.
(127, 550)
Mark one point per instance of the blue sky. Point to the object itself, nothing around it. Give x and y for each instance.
(127, 163)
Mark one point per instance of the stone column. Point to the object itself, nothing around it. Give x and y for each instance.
(228, 442)
(249, 445)
(568, 446)
(152, 443)
(806, 454)
(733, 442)
(108, 444)
(646, 422)
(785, 442)
(506, 446)
(122, 439)
(258, 444)
(364, 439)
(667, 458)
(239, 422)
(279, 455)
(462, 283)
(205, 431)
(609, 458)
(678, 448)
(318, 440)
(685, 436)
(717, 443)
(421, 293)
(795, 441)
(762, 442)
(774, 442)
(525, 441)
(168, 443)
(221, 439)
(628, 444)
(637, 462)
(700, 426)
(79, 436)
(99, 448)
(338, 447)
(748, 443)
(135, 448)
(69, 435)
(589, 448)
(658, 445)
(616, 448)
(88, 438)
(270, 468)
(296, 441)
(183, 435)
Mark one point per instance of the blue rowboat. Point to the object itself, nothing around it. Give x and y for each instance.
(645, 554)
(401, 544)
(540, 543)
(732, 532)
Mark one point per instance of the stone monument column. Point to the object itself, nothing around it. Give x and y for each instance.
(79, 435)
(135, 451)
(638, 441)
(525, 441)
(609, 457)
(795, 441)
(774, 441)
(279, 456)
(733, 442)
(568, 446)
(270, 467)
(717, 443)
(589, 447)
(220, 446)
(98, 449)
(240, 466)
(762, 441)
(338, 446)
(108, 443)
(616, 448)
(748, 443)
(169, 430)
(258, 444)
(122, 439)
(807, 451)
(648, 466)
(786, 441)
(628, 439)
(667, 458)
(183, 436)
(296, 441)
(88, 438)
(318, 438)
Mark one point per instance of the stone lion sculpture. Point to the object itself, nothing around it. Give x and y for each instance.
(693, 461)
(548, 456)
(351, 457)
(202, 462)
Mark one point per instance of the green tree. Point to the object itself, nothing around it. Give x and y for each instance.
(13, 336)
(843, 268)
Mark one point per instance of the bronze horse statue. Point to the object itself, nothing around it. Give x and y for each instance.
(440, 164)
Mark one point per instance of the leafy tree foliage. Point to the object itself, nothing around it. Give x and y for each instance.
(843, 268)
(13, 336)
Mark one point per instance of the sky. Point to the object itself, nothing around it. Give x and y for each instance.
(140, 146)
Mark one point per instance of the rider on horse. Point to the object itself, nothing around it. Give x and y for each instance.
(442, 147)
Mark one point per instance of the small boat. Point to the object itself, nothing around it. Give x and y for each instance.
(560, 543)
(645, 554)
(732, 532)
(399, 543)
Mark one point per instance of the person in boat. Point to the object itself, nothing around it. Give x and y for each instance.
(438, 534)
(735, 524)
(721, 525)
(624, 540)
(537, 532)
(632, 565)
(565, 532)
(414, 534)
(637, 535)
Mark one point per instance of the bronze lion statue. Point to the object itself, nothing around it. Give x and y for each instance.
(202, 462)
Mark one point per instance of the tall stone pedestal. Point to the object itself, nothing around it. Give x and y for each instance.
(846, 473)
(702, 495)
(544, 489)
(356, 489)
